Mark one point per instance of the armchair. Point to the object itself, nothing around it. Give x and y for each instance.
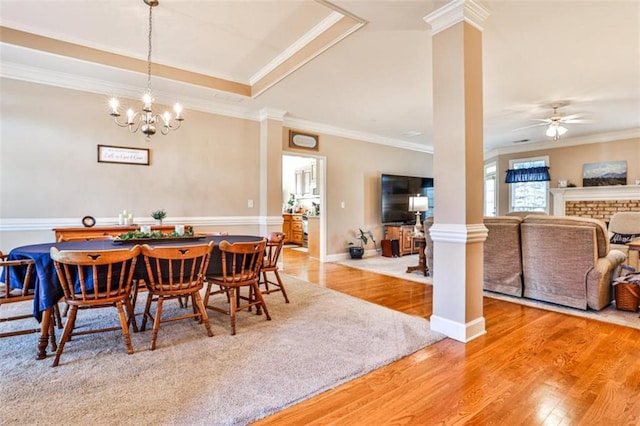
(624, 227)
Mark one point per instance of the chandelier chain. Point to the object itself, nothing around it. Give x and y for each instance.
(149, 51)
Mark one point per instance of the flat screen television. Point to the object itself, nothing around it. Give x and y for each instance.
(395, 193)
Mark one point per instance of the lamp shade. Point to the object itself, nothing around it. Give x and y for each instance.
(418, 204)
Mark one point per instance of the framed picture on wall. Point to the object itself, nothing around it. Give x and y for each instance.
(303, 140)
(123, 155)
(604, 173)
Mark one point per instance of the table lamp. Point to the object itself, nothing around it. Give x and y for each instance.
(418, 204)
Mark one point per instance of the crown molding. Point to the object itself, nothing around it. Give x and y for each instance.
(565, 142)
(353, 134)
(470, 11)
(272, 114)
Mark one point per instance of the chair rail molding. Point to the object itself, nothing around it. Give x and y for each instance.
(616, 192)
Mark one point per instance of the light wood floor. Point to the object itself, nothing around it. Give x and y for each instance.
(533, 367)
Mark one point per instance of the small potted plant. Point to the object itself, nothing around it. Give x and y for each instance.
(356, 250)
(158, 215)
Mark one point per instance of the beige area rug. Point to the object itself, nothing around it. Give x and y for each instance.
(396, 266)
(391, 266)
(321, 339)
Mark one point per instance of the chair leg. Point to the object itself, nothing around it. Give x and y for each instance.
(147, 313)
(68, 328)
(197, 300)
(132, 315)
(232, 309)
(58, 318)
(156, 323)
(124, 322)
(281, 285)
(261, 299)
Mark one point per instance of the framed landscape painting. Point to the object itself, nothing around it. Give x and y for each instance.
(604, 174)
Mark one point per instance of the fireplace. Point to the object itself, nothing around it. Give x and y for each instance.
(599, 202)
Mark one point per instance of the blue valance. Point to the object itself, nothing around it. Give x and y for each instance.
(532, 174)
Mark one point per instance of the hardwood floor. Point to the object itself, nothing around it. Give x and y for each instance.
(533, 367)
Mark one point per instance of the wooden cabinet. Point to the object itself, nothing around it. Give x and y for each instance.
(404, 235)
(314, 236)
(292, 228)
(101, 231)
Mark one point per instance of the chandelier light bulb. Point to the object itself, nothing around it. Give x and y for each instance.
(113, 103)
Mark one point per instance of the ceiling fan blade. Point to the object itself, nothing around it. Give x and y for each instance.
(527, 127)
(544, 120)
(582, 121)
(566, 118)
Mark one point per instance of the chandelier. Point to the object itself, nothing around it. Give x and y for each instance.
(145, 119)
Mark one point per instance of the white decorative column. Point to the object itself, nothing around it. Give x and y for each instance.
(270, 208)
(458, 232)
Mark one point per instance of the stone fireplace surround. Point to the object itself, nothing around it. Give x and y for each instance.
(599, 202)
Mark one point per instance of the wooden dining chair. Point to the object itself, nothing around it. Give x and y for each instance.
(240, 268)
(15, 287)
(275, 241)
(175, 272)
(95, 279)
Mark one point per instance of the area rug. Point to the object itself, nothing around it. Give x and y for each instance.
(391, 266)
(321, 339)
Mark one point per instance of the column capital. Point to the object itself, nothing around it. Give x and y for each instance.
(456, 11)
(458, 233)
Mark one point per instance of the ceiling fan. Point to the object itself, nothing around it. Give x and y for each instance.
(555, 123)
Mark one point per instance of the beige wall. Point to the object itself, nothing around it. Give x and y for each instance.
(353, 176)
(207, 169)
(566, 163)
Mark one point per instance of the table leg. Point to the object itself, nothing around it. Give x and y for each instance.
(43, 341)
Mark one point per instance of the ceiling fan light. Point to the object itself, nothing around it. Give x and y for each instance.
(551, 131)
(561, 130)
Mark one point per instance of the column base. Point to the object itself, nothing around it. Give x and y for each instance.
(458, 331)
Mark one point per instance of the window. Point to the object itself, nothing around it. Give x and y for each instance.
(490, 201)
(529, 196)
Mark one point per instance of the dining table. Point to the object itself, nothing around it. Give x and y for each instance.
(46, 286)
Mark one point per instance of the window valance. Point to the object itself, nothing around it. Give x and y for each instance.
(531, 174)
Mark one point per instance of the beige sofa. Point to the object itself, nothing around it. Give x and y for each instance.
(502, 255)
(567, 260)
(558, 259)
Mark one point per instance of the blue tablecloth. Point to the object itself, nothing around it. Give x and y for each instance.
(47, 289)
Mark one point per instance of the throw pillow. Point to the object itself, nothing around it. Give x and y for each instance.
(622, 238)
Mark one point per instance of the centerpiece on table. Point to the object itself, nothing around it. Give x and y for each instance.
(156, 235)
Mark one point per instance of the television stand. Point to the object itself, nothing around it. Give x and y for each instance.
(404, 234)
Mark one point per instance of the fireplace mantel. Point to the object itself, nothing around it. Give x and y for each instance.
(617, 192)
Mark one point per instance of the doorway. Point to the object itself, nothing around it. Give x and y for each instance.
(303, 194)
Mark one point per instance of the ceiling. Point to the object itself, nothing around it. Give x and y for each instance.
(350, 67)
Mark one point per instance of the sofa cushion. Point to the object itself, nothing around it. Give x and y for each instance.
(602, 236)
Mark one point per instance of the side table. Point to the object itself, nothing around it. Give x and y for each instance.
(422, 258)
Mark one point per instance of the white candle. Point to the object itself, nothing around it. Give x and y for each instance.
(145, 229)
(179, 229)
(120, 219)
